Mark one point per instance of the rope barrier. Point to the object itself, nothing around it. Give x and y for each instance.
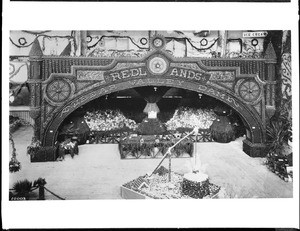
(53, 193)
(11, 189)
(46, 190)
(33, 189)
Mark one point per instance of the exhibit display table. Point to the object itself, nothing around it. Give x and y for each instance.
(152, 147)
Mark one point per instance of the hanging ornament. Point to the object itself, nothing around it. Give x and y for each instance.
(14, 164)
(151, 109)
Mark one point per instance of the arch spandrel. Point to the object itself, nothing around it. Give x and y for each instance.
(64, 93)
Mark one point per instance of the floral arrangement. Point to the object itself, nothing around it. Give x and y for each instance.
(14, 123)
(278, 164)
(39, 182)
(108, 120)
(34, 147)
(190, 118)
(159, 187)
(67, 144)
(14, 165)
(151, 127)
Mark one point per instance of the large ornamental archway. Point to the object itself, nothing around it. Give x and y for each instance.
(60, 85)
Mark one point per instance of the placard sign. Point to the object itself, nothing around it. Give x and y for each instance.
(257, 34)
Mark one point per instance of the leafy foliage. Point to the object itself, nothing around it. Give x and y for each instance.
(151, 127)
(39, 182)
(34, 147)
(23, 187)
(279, 131)
(14, 164)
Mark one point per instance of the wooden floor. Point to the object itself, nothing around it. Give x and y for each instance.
(98, 172)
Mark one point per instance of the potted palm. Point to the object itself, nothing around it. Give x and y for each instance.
(22, 189)
(279, 134)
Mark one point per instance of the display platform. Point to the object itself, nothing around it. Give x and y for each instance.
(153, 147)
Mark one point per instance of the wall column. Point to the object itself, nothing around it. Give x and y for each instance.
(286, 71)
(270, 88)
(34, 80)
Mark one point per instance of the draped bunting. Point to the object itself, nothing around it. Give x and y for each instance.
(151, 107)
(151, 96)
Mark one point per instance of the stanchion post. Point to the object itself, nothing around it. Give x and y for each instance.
(41, 192)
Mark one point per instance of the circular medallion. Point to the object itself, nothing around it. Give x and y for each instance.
(143, 41)
(22, 41)
(254, 42)
(58, 90)
(89, 39)
(249, 91)
(158, 65)
(158, 42)
(203, 42)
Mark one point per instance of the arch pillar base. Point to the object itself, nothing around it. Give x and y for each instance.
(47, 153)
(254, 149)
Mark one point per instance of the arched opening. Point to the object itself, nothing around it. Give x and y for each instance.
(130, 104)
(254, 126)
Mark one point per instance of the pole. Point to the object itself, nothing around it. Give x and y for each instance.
(164, 157)
(170, 158)
(169, 152)
(196, 159)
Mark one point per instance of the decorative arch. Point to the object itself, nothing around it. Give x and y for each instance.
(248, 114)
(235, 82)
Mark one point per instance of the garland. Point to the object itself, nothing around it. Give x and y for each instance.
(14, 164)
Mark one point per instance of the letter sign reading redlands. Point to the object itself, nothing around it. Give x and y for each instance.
(141, 72)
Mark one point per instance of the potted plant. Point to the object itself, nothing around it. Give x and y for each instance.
(22, 188)
(279, 134)
(34, 147)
